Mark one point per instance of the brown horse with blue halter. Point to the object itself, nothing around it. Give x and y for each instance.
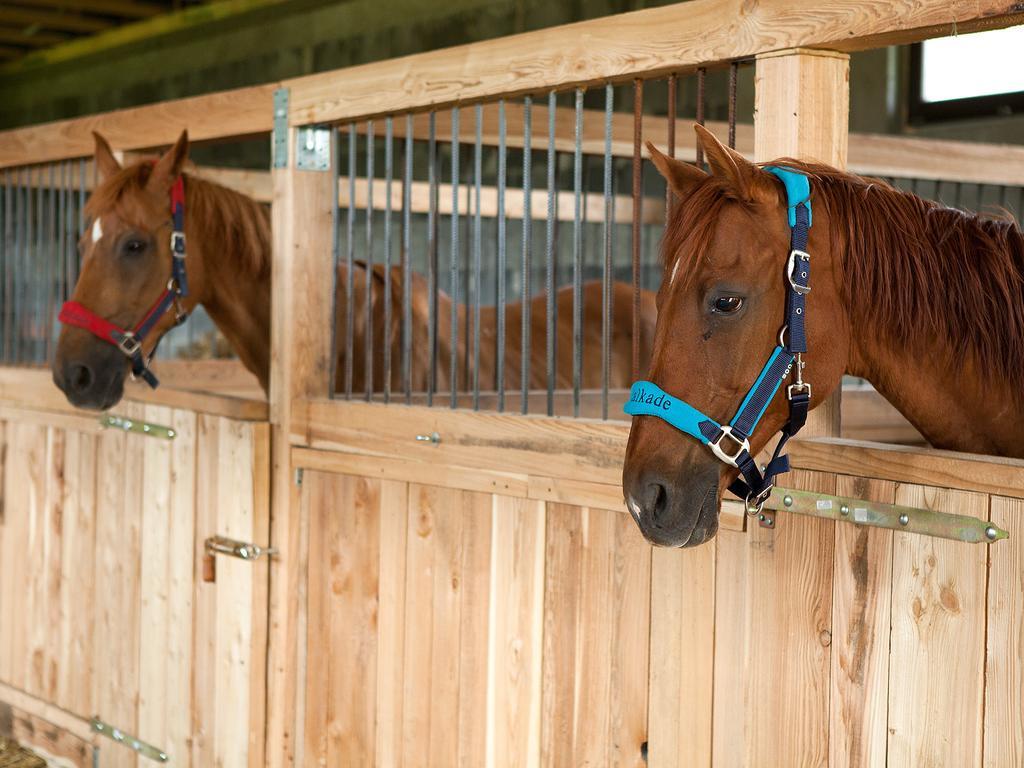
(925, 302)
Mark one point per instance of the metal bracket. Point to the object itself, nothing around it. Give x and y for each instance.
(221, 545)
(896, 517)
(140, 427)
(313, 149)
(279, 136)
(141, 747)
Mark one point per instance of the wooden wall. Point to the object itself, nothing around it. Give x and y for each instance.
(103, 610)
(459, 627)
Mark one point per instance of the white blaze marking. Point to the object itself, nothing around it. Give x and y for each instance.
(97, 230)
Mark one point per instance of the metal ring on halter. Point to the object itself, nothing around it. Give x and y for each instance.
(754, 509)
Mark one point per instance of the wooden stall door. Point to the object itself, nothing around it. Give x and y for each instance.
(452, 627)
(102, 608)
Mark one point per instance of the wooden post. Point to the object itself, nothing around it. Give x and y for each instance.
(802, 110)
(301, 332)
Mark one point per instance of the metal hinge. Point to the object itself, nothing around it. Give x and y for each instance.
(222, 545)
(313, 148)
(141, 747)
(279, 136)
(927, 522)
(141, 427)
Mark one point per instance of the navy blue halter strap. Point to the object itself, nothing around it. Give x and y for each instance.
(731, 442)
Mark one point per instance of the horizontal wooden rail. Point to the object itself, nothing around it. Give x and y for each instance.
(674, 38)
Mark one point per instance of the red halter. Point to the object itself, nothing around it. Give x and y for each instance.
(130, 342)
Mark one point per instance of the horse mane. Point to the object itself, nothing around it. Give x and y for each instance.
(915, 270)
(223, 215)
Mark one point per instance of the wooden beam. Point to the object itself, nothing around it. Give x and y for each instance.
(301, 356)
(651, 42)
(72, 22)
(31, 39)
(802, 110)
(123, 8)
(221, 115)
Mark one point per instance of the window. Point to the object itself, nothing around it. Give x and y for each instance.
(967, 76)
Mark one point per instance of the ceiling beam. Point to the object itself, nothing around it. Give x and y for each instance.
(128, 9)
(71, 22)
(30, 39)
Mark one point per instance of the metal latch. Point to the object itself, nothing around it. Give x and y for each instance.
(139, 427)
(139, 746)
(222, 545)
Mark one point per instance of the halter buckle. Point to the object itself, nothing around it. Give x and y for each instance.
(791, 266)
(178, 244)
(741, 446)
(129, 344)
(792, 389)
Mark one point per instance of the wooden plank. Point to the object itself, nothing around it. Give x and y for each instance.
(773, 620)
(221, 115)
(34, 388)
(650, 42)
(59, 746)
(117, 596)
(515, 633)
(490, 441)
(47, 711)
(596, 642)
(394, 506)
(324, 492)
(923, 466)
(168, 534)
(682, 662)
(861, 597)
(937, 646)
(204, 600)
(1004, 658)
(75, 691)
(260, 451)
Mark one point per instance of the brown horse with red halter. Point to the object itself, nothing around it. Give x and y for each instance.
(137, 282)
(925, 302)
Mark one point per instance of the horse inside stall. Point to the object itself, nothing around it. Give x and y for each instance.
(923, 301)
(126, 262)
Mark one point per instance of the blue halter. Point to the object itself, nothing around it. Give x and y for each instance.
(648, 399)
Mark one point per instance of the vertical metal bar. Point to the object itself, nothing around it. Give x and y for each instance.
(432, 229)
(38, 270)
(477, 258)
(332, 371)
(65, 178)
(734, 69)
(1004, 197)
(368, 340)
(389, 138)
(524, 334)
(549, 284)
(638, 106)
(502, 253)
(407, 263)
(701, 76)
(577, 258)
(671, 110)
(957, 194)
(17, 295)
(350, 253)
(453, 357)
(606, 275)
(5, 276)
(46, 322)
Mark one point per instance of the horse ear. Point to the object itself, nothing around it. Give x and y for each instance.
(681, 177)
(106, 163)
(728, 163)
(169, 166)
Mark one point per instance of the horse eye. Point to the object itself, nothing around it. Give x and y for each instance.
(134, 247)
(728, 305)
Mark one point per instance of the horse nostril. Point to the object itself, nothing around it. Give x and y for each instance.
(656, 501)
(80, 377)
